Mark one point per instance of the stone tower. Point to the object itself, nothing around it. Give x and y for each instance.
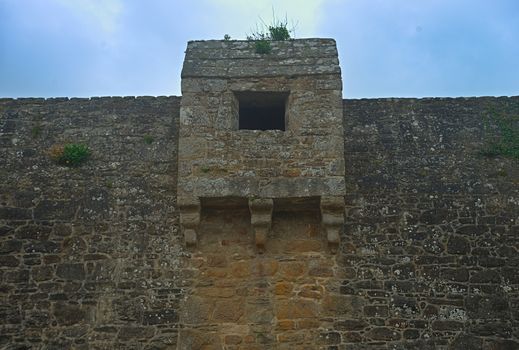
(263, 131)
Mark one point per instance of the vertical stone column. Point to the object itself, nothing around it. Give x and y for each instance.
(189, 219)
(332, 212)
(261, 220)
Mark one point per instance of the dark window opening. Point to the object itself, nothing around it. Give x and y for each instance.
(262, 110)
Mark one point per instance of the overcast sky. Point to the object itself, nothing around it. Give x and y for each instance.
(387, 48)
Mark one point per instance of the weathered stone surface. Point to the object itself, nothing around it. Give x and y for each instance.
(10, 246)
(57, 223)
(342, 305)
(129, 333)
(487, 276)
(296, 309)
(384, 333)
(9, 261)
(466, 341)
(501, 344)
(299, 155)
(71, 271)
(487, 307)
(163, 316)
(69, 314)
(458, 245)
(419, 200)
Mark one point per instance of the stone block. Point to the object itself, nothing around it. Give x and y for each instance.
(342, 306)
(465, 341)
(486, 276)
(42, 273)
(163, 316)
(196, 310)
(457, 274)
(134, 333)
(70, 314)
(215, 292)
(283, 288)
(292, 270)
(501, 344)
(8, 261)
(351, 325)
(308, 323)
(330, 338)
(311, 291)
(240, 269)
(320, 269)
(259, 313)
(296, 308)
(458, 245)
(451, 326)
(228, 311)
(71, 271)
(233, 339)
(264, 267)
(487, 307)
(384, 334)
(14, 214)
(16, 276)
(55, 210)
(10, 246)
(285, 325)
(303, 246)
(376, 311)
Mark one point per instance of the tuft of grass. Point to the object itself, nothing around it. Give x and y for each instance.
(226, 37)
(279, 31)
(70, 154)
(265, 33)
(36, 131)
(148, 139)
(503, 129)
(262, 46)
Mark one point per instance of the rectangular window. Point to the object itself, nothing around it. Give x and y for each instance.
(262, 110)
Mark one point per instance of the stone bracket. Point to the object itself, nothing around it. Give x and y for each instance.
(190, 219)
(332, 213)
(261, 220)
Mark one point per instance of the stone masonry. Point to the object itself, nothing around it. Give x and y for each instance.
(218, 158)
(267, 182)
(94, 257)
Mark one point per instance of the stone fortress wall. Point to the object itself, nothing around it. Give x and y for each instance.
(93, 258)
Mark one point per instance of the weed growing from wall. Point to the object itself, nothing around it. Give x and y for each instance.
(36, 131)
(502, 134)
(262, 46)
(279, 31)
(265, 33)
(70, 154)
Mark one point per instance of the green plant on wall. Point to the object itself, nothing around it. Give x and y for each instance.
(502, 134)
(36, 131)
(262, 46)
(148, 139)
(264, 34)
(70, 154)
(279, 31)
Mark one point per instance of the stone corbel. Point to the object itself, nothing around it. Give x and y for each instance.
(332, 213)
(261, 220)
(190, 219)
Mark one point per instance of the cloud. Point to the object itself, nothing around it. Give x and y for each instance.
(304, 15)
